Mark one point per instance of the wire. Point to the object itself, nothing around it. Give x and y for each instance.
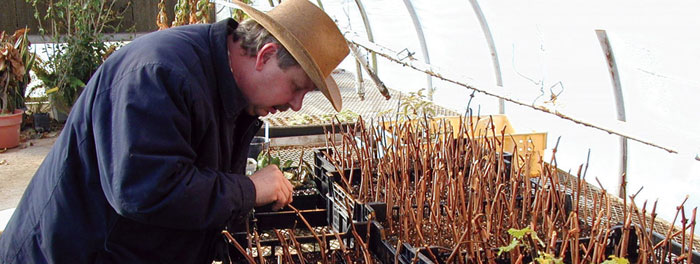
(436, 72)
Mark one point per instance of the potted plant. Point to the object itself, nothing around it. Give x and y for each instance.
(62, 89)
(78, 48)
(15, 63)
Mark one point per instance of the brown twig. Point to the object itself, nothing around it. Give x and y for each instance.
(238, 246)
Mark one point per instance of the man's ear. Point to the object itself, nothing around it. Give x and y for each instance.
(265, 54)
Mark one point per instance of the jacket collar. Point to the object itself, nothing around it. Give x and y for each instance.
(232, 98)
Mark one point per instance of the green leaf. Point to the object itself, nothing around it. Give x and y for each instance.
(545, 258)
(509, 247)
(263, 161)
(287, 164)
(52, 90)
(75, 82)
(275, 160)
(519, 233)
(612, 259)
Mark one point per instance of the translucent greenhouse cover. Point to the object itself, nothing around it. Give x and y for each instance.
(549, 47)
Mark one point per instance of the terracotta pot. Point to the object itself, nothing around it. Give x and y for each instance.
(9, 129)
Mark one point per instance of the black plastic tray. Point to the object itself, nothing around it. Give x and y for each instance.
(303, 130)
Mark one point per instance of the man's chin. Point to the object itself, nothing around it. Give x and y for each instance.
(263, 112)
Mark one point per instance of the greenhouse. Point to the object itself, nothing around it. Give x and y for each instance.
(349, 131)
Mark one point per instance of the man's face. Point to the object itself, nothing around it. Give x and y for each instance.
(275, 89)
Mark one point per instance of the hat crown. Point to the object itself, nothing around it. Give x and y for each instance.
(315, 30)
(311, 37)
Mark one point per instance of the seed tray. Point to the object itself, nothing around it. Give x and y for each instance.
(272, 249)
(676, 249)
(382, 248)
(386, 251)
(326, 174)
(311, 206)
(282, 130)
(338, 211)
(309, 200)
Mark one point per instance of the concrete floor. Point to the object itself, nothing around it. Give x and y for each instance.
(17, 166)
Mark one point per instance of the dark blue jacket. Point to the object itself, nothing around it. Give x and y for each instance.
(150, 165)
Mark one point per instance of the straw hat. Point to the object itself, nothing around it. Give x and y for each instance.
(310, 36)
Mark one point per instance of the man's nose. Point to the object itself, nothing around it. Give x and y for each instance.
(297, 102)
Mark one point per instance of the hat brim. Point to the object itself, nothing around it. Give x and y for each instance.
(327, 85)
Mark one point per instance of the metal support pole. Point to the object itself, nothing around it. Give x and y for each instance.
(359, 81)
(492, 47)
(368, 28)
(619, 105)
(423, 45)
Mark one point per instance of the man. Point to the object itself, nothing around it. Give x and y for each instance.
(150, 165)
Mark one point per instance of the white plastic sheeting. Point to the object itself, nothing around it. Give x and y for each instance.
(550, 47)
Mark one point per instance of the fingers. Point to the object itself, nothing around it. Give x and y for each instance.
(282, 201)
(272, 186)
(284, 196)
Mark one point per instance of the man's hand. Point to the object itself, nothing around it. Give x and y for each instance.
(272, 186)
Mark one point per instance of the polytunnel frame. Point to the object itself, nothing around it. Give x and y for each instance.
(492, 47)
(607, 49)
(424, 46)
(494, 55)
(421, 39)
(618, 129)
(360, 62)
(619, 104)
(368, 28)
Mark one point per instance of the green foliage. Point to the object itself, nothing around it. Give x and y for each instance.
(76, 28)
(529, 239)
(265, 159)
(298, 176)
(615, 260)
(302, 119)
(202, 11)
(526, 237)
(54, 80)
(345, 116)
(413, 106)
(521, 233)
(546, 258)
(182, 11)
(513, 244)
(186, 12)
(519, 236)
(239, 15)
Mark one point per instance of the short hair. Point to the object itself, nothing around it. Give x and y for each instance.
(253, 36)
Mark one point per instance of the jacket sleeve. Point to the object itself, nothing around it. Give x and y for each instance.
(143, 127)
